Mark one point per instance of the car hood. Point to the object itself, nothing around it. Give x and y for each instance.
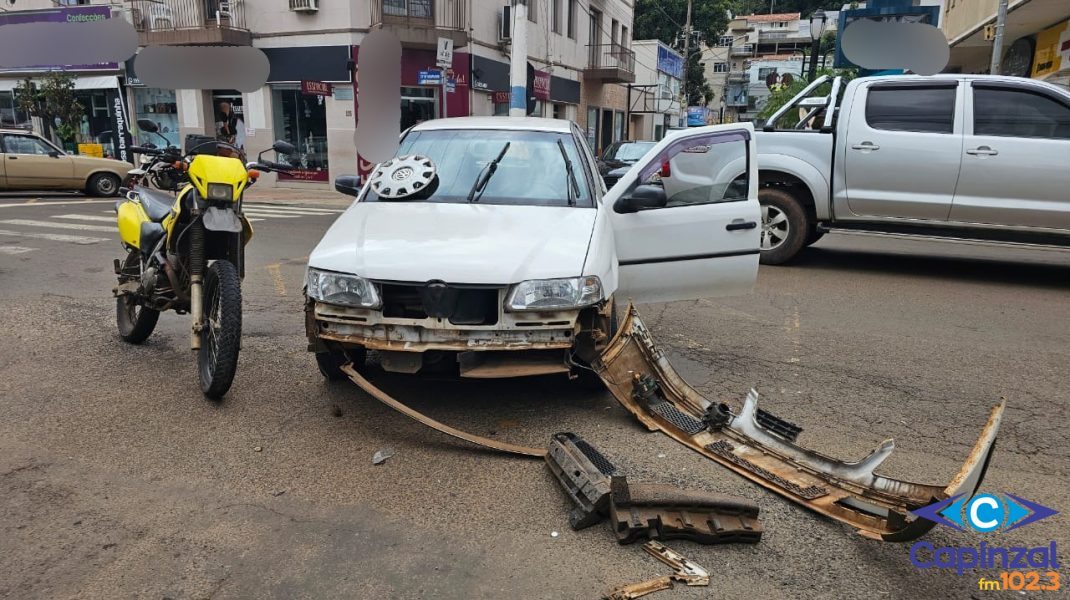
(456, 243)
(101, 163)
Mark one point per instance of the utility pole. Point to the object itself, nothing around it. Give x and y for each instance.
(518, 61)
(997, 45)
(687, 56)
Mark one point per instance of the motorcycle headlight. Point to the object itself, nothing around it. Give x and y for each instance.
(220, 191)
(342, 289)
(555, 294)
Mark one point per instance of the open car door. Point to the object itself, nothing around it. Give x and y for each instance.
(686, 218)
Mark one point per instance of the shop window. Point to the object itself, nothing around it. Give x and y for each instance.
(618, 126)
(560, 111)
(302, 121)
(419, 104)
(229, 117)
(160, 107)
(10, 115)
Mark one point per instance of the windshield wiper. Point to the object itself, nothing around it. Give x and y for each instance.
(484, 176)
(571, 183)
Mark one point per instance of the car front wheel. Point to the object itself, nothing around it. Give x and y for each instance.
(784, 226)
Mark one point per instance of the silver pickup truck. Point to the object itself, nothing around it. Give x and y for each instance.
(948, 156)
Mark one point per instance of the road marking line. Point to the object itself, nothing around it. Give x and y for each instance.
(49, 224)
(293, 213)
(276, 277)
(284, 207)
(86, 218)
(65, 202)
(32, 201)
(270, 215)
(55, 237)
(15, 249)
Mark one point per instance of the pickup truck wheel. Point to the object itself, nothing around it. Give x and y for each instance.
(784, 226)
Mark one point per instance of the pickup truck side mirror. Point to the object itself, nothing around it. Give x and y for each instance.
(348, 184)
(643, 196)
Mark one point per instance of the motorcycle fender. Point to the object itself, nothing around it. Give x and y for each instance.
(130, 217)
(221, 219)
(761, 447)
(247, 230)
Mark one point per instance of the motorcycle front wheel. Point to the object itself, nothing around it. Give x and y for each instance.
(217, 360)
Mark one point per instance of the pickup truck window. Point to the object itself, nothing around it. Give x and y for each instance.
(1019, 113)
(918, 109)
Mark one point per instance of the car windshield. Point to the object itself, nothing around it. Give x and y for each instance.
(630, 152)
(531, 173)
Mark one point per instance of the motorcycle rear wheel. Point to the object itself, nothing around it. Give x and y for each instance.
(217, 360)
(135, 322)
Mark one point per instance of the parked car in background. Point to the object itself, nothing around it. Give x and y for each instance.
(622, 154)
(29, 162)
(488, 246)
(952, 156)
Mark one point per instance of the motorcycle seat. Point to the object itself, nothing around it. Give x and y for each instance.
(157, 204)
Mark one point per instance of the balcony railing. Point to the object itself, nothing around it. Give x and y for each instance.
(190, 21)
(738, 76)
(420, 23)
(610, 62)
(744, 50)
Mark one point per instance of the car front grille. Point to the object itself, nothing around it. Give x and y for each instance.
(460, 304)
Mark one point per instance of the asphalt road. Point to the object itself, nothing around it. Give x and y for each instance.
(117, 479)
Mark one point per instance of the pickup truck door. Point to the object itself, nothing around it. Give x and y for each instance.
(902, 149)
(686, 218)
(30, 163)
(1016, 157)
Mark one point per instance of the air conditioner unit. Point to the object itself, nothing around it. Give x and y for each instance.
(505, 26)
(304, 5)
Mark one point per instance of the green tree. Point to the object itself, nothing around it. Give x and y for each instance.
(54, 101)
(782, 94)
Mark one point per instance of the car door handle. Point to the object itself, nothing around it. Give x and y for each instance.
(866, 146)
(12, 158)
(737, 225)
(982, 151)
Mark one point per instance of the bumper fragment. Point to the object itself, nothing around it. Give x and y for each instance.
(762, 448)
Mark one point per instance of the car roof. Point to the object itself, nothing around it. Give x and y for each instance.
(506, 123)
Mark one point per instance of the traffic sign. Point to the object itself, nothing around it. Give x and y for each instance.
(445, 52)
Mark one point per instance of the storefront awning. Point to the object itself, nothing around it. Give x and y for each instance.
(82, 82)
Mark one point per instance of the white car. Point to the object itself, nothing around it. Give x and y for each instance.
(489, 247)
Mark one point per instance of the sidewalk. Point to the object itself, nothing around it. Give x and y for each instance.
(269, 195)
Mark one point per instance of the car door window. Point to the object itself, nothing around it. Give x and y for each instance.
(1019, 113)
(913, 108)
(24, 144)
(702, 170)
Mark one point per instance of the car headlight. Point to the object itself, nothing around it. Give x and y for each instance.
(220, 191)
(555, 294)
(342, 289)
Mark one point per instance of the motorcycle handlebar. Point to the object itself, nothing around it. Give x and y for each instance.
(144, 150)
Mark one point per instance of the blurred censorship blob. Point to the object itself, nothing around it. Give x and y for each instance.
(379, 96)
(66, 43)
(241, 68)
(880, 45)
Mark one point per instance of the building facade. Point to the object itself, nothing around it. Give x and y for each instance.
(579, 51)
(654, 99)
(1036, 38)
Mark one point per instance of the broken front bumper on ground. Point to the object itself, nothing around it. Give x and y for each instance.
(762, 448)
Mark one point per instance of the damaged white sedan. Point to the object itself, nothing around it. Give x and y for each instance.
(489, 247)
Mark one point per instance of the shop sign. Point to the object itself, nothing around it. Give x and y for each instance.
(429, 77)
(670, 63)
(1053, 50)
(96, 150)
(542, 85)
(74, 14)
(305, 175)
(343, 93)
(696, 116)
(120, 128)
(451, 85)
(316, 88)
(501, 97)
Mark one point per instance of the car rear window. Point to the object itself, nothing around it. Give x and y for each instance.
(918, 109)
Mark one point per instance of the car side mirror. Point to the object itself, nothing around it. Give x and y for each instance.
(55, 154)
(642, 197)
(284, 147)
(348, 184)
(147, 125)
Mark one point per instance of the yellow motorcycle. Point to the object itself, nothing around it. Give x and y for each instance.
(186, 253)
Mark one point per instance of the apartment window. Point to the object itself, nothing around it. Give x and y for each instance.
(570, 17)
(533, 7)
(926, 110)
(593, 35)
(614, 26)
(555, 15)
(725, 41)
(720, 67)
(624, 37)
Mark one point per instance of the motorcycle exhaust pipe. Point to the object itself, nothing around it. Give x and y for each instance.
(197, 261)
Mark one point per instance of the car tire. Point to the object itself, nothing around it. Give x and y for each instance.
(785, 226)
(103, 184)
(330, 363)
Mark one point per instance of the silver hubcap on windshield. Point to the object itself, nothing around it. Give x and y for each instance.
(403, 176)
(775, 227)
